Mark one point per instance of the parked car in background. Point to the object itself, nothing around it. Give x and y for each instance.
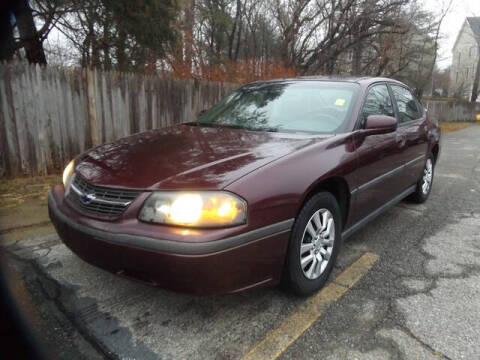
(265, 185)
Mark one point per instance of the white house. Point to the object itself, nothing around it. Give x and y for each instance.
(466, 52)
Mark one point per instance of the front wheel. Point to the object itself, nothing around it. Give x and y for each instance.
(424, 185)
(314, 244)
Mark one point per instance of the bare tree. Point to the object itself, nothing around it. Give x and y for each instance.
(438, 25)
(233, 37)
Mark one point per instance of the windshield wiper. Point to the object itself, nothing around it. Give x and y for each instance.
(267, 129)
(231, 126)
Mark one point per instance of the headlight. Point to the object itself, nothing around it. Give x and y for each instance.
(197, 209)
(67, 173)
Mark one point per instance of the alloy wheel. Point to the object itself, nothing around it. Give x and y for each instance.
(427, 176)
(317, 244)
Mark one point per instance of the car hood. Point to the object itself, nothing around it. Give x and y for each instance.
(185, 157)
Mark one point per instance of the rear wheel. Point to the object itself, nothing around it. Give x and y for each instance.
(314, 244)
(424, 185)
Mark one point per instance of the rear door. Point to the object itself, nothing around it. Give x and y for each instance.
(379, 172)
(412, 129)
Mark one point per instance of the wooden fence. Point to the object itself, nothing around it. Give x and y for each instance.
(48, 114)
(452, 110)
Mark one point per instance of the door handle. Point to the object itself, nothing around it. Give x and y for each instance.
(401, 140)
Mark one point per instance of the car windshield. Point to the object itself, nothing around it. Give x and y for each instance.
(302, 106)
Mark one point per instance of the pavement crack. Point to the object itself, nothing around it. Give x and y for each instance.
(46, 254)
(425, 345)
(23, 227)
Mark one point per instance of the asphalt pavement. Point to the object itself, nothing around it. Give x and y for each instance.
(418, 298)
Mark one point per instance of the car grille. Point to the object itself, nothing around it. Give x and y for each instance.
(99, 201)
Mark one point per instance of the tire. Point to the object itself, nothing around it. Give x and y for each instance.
(309, 278)
(422, 191)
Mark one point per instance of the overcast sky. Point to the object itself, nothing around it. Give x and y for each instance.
(452, 23)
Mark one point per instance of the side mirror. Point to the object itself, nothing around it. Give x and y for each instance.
(380, 124)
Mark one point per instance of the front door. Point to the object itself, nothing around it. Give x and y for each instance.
(379, 174)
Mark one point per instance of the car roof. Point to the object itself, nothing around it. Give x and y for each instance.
(362, 80)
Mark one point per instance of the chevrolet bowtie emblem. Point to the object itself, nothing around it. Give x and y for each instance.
(87, 198)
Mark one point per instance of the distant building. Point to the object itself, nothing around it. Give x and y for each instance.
(465, 58)
(409, 56)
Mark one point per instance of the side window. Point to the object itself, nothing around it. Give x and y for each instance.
(408, 106)
(377, 102)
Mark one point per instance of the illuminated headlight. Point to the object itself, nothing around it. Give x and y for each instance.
(67, 173)
(196, 209)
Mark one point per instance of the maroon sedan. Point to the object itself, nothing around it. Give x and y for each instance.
(262, 187)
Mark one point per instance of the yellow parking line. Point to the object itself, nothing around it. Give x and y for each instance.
(279, 339)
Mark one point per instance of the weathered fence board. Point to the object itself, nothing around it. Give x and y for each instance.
(48, 114)
(447, 110)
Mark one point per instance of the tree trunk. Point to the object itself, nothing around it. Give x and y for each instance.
(331, 61)
(357, 58)
(92, 36)
(239, 40)
(231, 37)
(189, 23)
(28, 32)
(120, 51)
(107, 61)
(7, 47)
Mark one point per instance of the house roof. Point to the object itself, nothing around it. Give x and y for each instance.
(475, 25)
(458, 35)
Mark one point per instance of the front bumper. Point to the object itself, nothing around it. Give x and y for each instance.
(230, 264)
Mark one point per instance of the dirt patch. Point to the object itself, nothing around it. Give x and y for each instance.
(14, 192)
(454, 126)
